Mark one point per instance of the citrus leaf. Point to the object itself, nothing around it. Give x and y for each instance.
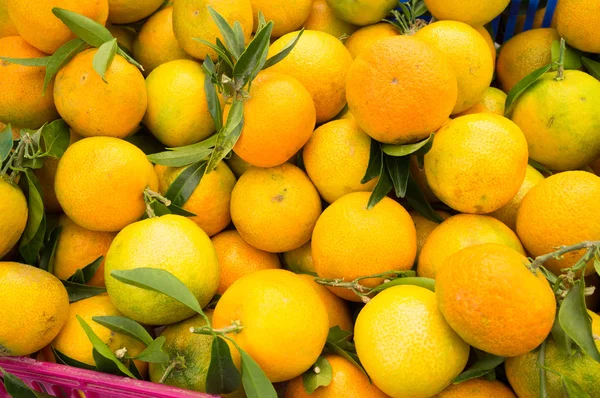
(124, 325)
(398, 168)
(572, 56)
(261, 21)
(106, 365)
(319, 375)
(239, 36)
(133, 369)
(418, 201)
(160, 281)
(426, 283)
(186, 155)
(33, 236)
(383, 187)
(186, 183)
(597, 263)
(485, 364)
(572, 389)
(129, 59)
(180, 211)
(66, 360)
(78, 291)
(104, 57)
(375, 162)
(223, 55)
(564, 342)
(212, 98)
(338, 336)
(87, 29)
(256, 384)
(576, 322)
(522, 86)
(592, 67)
(227, 32)
(254, 57)
(40, 62)
(90, 270)
(56, 138)
(408, 149)
(228, 136)
(284, 51)
(15, 386)
(539, 167)
(49, 250)
(61, 57)
(6, 142)
(222, 376)
(102, 348)
(154, 352)
(349, 356)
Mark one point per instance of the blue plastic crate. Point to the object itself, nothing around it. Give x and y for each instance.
(507, 29)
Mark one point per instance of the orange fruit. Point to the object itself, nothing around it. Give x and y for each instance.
(275, 209)
(492, 101)
(300, 260)
(476, 293)
(78, 86)
(124, 35)
(560, 210)
(336, 157)
(237, 258)
(128, 11)
(156, 44)
(337, 309)
(576, 21)
(287, 16)
(401, 89)
(469, 56)
(320, 62)
(366, 36)
(477, 388)
(78, 247)
(324, 19)
(424, 227)
(100, 183)
(350, 241)
(39, 27)
(472, 12)
(14, 211)
(22, 102)
(488, 39)
(347, 381)
(7, 28)
(282, 318)
(477, 163)
(279, 118)
(362, 12)
(508, 213)
(458, 232)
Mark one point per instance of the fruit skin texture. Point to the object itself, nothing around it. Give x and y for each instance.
(324, 19)
(287, 16)
(36, 23)
(523, 54)
(336, 157)
(560, 120)
(14, 210)
(191, 19)
(275, 209)
(279, 118)
(78, 247)
(477, 163)
(73, 342)
(100, 183)
(177, 112)
(576, 21)
(347, 382)
(171, 243)
(282, 318)
(300, 260)
(406, 346)
(458, 232)
(401, 89)
(476, 293)
(469, 56)
(350, 241)
(368, 35)
(237, 258)
(362, 12)
(477, 388)
(488, 39)
(124, 35)
(338, 312)
(561, 210)
(472, 12)
(424, 227)
(127, 11)
(36, 305)
(7, 28)
(492, 101)
(508, 213)
(21, 101)
(320, 62)
(210, 200)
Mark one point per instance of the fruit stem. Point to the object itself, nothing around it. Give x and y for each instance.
(17, 156)
(560, 74)
(542, 370)
(591, 246)
(235, 327)
(149, 197)
(179, 361)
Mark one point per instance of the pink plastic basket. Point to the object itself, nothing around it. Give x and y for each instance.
(67, 382)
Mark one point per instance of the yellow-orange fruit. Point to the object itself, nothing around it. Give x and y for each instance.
(477, 388)
(128, 11)
(368, 35)
(287, 16)
(324, 19)
(337, 309)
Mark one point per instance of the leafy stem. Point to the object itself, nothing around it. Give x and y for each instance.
(178, 362)
(407, 19)
(149, 197)
(560, 74)
(16, 157)
(235, 327)
(542, 370)
(591, 247)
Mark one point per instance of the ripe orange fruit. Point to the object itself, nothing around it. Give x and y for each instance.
(347, 381)
(100, 183)
(300, 260)
(324, 19)
(156, 44)
(128, 11)
(40, 28)
(336, 157)
(320, 62)
(191, 19)
(282, 318)
(469, 56)
(576, 22)
(362, 12)
(7, 28)
(275, 209)
(397, 317)
(237, 258)
(477, 163)
(279, 118)
(472, 12)
(14, 210)
(561, 210)
(458, 232)
(22, 102)
(492, 101)
(424, 227)
(477, 388)
(337, 310)
(286, 16)
(350, 241)
(368, 35)
(78, 247)
(488, 39)
(401, 89)
(476, 293)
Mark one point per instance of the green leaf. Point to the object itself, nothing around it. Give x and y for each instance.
(254, 57)
(106, 365)
(485, 364)
(185, 155)
(256, 384)
(77, 277)
(212, 98)
(227, 32)
(160, 281)
(228, 136)
(563, 341)
(33, 236)
(124, 325)
(572, 56)
(338, 336)
(319, 375)
(223, 54)
(222, 377)
(78, 291)
(49, 250)
(6, 142)
(597, 263)
(87, 29)
(154, 352)
(102, 348)
(383, 187)
(56, 136)
(15, 386)
(66, 360)
(572, 389)
(104, 57)
(522, 86)
(421, 147)
(418, 201)
(43, 61)
(89, 270)
(186, 183)
(239, 36)
(375, 162)
(61, 57)
(284, 52)
(181, 212)
(427, 283)
(349, 356)
(576, 322)
(592, 67)
(399, 170)
(129, 59)
(539, 167)
(133, 369)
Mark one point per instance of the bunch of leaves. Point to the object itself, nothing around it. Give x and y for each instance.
(409, 18)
